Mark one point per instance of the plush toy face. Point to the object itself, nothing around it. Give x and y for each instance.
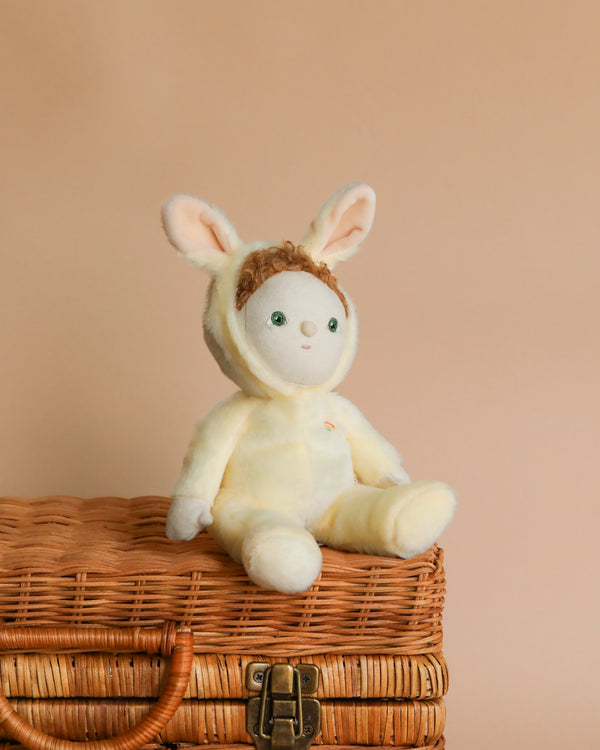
(264, 355)
(297, 326)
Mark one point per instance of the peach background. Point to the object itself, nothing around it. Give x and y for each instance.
(477, 124)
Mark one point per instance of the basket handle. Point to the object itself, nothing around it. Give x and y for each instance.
(166, 641)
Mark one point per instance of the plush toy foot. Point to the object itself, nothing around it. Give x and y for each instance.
(283, 558)
(420, 514)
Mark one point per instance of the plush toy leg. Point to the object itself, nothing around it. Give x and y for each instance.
(277, 553)
(404, 520)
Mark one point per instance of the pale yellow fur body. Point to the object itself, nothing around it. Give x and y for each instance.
(291, 455)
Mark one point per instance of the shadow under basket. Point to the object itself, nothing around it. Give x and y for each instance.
(113, 635)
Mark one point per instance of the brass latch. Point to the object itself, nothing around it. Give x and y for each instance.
(282, 718)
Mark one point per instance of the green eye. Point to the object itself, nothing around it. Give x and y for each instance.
(278, 318)
(333, 324)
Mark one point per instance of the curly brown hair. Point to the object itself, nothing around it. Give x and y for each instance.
(262, 264)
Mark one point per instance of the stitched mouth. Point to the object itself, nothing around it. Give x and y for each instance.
(306, 346)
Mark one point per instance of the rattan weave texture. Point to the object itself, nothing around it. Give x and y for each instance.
(213, 677)
(211, 722)
(168, 641)
(68, 561)
(439, 745)
(372, 624)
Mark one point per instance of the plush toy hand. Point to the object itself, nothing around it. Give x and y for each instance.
(399, 476)
(394, 478)
(187, 516)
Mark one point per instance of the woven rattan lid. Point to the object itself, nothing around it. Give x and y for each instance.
(107, 561)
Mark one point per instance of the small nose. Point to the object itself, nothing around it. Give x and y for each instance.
(308, 328)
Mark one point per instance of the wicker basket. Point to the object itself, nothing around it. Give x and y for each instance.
(86, 587)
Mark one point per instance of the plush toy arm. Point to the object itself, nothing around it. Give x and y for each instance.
(376, 461)
(210, 449)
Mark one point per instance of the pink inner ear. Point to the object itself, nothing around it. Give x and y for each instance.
(201, 227)
(350, 227)
(343, 239)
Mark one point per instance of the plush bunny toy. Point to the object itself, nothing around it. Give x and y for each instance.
(287, 464)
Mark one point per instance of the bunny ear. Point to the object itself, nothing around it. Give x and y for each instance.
(342, 224)
(201, 232)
